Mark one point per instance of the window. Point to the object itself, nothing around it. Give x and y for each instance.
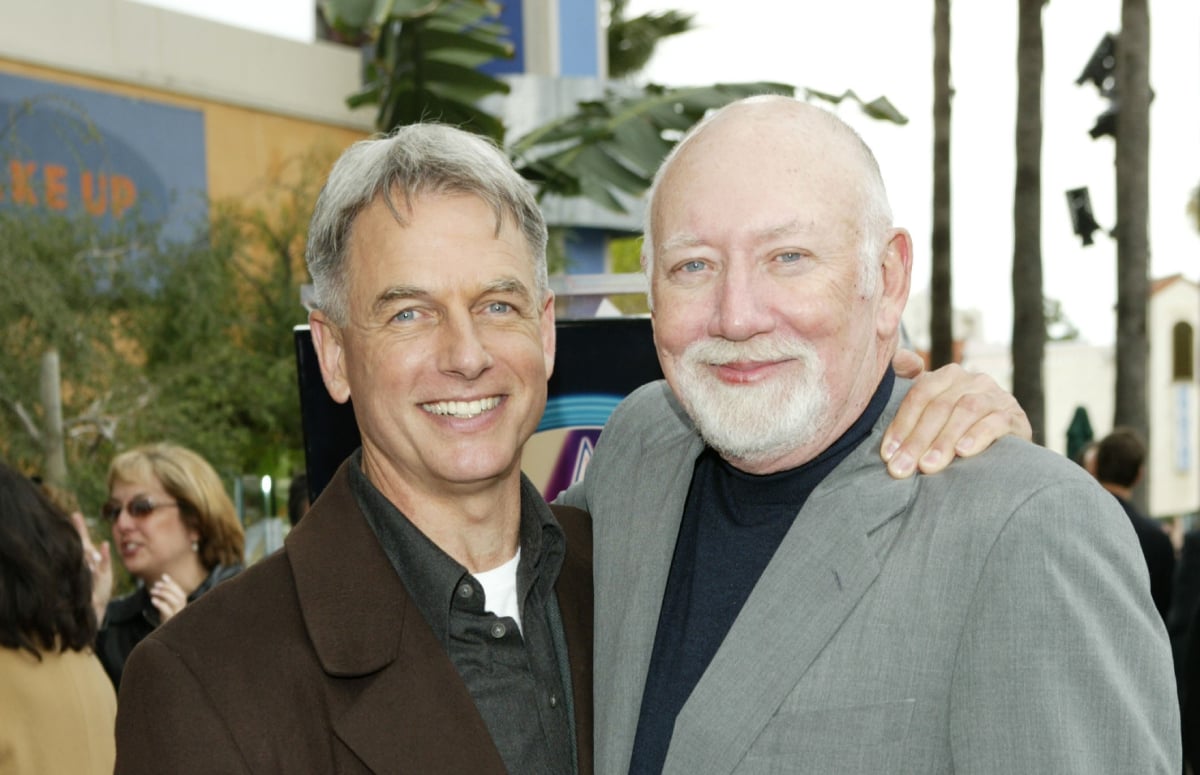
(1182, 358)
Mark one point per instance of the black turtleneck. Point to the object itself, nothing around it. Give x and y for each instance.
(732, 524)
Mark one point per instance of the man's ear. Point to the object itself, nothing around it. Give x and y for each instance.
(895, 275)
(549, 334)
(327, 341)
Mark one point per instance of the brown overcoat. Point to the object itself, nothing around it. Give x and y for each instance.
(317, 660)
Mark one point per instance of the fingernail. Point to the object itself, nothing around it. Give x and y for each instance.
(964, 444)
(902, 465)
(931, 458)
(889, 448)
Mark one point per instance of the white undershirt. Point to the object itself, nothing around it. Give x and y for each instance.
(500, 589)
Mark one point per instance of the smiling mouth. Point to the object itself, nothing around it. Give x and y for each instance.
(462, 409)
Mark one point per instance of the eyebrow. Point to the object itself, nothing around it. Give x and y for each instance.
(508, 285)
(396, 293)
(401, 292)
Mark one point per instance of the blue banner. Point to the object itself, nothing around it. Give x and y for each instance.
(75, 151)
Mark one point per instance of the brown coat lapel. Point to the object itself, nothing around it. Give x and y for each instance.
(574, 589)
(396, 699)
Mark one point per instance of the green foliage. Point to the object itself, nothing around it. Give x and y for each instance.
(186, 342)
(626, 256)
(615, 144)
(880, 108)
(423, 60)
(217, 334)
(631, 42)
(424, 67)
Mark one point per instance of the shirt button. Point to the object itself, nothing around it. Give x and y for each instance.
(498, 630)
(553, 700)
(465, 591)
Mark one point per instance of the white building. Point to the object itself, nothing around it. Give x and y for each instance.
(1078, 374)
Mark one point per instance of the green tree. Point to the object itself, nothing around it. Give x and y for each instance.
(65, 291)
(216, 330)
(421, 59)
(188, 342)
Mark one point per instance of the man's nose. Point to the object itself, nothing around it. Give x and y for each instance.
(742, 309)
(463, 351)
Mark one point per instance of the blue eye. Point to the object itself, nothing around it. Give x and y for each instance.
(789, 258)
(499, 307)
(406, 315)
(693, 266)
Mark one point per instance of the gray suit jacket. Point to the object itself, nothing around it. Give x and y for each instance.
(993, 618)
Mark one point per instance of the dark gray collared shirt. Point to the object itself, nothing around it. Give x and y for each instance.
(519, 678)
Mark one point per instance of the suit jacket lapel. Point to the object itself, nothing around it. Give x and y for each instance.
(396, 700)
(575, 604)
(635, 563)
(824, 565)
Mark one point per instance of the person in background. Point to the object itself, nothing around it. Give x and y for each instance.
(1119, 463)
(176, 531)
(57, 708)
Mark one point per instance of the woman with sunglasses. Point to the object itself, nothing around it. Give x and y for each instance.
(176, 531)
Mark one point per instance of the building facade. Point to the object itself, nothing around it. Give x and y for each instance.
(1078, 374)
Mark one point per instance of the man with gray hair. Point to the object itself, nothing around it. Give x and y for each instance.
(430, 614)
(767, 598)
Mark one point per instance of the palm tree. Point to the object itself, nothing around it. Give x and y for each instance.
(941, 305)
(632, 41)
(1133, 244)
(1029, 319)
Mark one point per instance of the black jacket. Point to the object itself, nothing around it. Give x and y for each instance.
(130, 618)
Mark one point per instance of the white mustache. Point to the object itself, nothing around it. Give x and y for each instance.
(715, 352)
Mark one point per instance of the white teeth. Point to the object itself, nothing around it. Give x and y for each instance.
(462, 409)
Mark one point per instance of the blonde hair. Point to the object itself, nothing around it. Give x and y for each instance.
(204, 504)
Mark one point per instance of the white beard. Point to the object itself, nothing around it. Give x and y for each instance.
(755, 422)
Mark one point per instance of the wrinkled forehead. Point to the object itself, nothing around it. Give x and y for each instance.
(764, 175)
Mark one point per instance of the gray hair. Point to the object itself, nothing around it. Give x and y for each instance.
(416, 160)
(876, 216)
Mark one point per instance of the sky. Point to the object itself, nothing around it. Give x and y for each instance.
(885, 48)
(294, 19)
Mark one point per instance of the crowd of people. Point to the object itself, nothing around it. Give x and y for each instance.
(776, 561)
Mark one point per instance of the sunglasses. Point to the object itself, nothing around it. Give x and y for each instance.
(139, 507)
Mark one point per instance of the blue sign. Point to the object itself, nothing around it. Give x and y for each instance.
(75, 151)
